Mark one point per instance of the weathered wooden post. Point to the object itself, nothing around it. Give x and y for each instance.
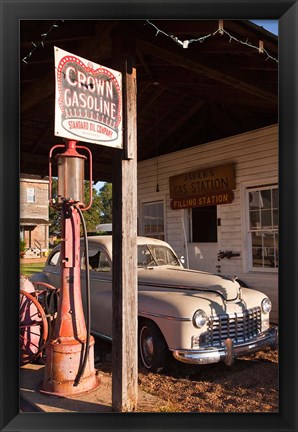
(124, 351)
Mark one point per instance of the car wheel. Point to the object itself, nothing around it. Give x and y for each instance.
(153, 349)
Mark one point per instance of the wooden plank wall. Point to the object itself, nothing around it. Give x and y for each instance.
(255, 155)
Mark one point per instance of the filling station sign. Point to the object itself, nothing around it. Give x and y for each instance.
(204, 187)
(88, 101)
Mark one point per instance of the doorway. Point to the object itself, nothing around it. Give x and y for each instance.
(204, 232)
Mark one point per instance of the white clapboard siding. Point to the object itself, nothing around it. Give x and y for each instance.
(255, 155)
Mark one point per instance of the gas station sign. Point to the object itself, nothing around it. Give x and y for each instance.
(217, 198)
(203, 187)
(88, 104)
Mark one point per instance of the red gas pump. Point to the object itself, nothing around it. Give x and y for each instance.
(69, 366)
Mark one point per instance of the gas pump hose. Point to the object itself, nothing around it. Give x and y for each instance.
(88, 314)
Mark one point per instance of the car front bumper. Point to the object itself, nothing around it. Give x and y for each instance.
(229, 351)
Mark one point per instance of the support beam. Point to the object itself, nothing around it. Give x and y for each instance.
(188, 63)
(124, 349)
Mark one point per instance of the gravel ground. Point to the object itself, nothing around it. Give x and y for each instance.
(249, 386)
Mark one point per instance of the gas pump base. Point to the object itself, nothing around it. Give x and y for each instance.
(63, 362)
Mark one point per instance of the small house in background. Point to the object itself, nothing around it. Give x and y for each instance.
(34, 215)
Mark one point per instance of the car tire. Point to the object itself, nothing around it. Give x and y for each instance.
(153, 350)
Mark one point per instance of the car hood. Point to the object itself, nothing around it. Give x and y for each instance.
(182, 279)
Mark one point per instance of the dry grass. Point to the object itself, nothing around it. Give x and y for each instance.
(249, 386)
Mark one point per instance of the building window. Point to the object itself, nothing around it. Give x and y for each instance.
(204, 224)
(30, 195)
(263, 227)
(153, 220)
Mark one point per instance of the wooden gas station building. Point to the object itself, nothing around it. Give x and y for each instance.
(186, 83)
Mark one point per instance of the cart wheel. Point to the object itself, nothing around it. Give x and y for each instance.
(34, 328)
(48, 297)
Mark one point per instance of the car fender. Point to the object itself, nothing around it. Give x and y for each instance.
(172, 311)
(39, 277)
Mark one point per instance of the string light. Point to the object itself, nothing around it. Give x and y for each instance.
(41, 42)
(185, 43)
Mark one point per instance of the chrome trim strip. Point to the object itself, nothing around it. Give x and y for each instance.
(268, 339)
(101, 336)
(168, 317)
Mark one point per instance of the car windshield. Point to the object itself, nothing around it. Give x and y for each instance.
(156, 255)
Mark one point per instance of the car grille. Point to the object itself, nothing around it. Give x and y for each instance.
(239, 327)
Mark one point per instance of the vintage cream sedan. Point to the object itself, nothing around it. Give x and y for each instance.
(199, 317)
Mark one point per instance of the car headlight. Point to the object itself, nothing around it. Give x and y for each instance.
(266, 305)
(199, 318)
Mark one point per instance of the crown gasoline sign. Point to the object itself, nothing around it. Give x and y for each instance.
(88, 105)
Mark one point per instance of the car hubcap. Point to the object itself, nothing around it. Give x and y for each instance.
(147, 348)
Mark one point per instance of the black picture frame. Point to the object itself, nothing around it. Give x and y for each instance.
(287, 14)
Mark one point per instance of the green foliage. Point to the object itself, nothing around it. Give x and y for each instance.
(106, 201)
(92, 216)
(100, 211)
(22, 247)
(54, 215)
